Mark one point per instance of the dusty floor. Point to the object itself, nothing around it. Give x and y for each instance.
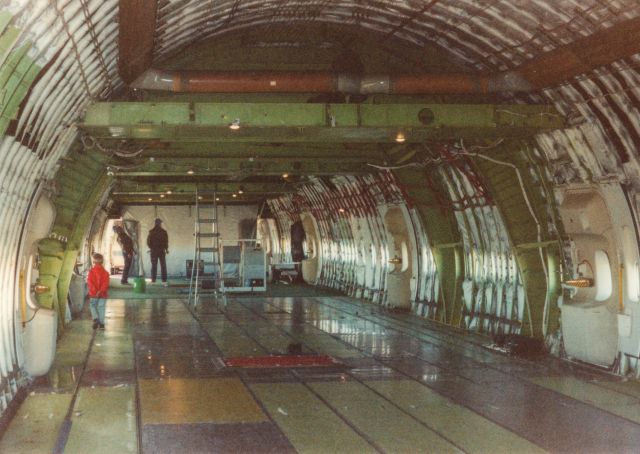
(155, 381)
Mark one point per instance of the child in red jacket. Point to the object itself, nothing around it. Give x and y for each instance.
(98, 283)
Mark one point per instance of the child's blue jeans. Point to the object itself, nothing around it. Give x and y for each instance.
(97, 306)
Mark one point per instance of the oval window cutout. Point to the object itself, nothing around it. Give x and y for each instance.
(604, 282)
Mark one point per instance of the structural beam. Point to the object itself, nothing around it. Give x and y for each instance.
(131, 188)
(298, 122)
(230, 150)
(137, 21)
(182, 201)
(204, 170)
(602, 48)
(184, 193)
(240, 173)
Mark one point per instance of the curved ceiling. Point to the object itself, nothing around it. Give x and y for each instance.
(486, 35)
(69, 49)
(58, 57)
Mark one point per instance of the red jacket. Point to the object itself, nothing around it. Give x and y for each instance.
(98, 282)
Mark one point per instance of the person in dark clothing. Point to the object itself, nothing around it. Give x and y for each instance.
(158, 242)
(126, 243)
(297, 239)
(297, 247)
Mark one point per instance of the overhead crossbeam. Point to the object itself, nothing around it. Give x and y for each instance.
(202, 170)
(184, 199)
(127, 192)
(305, 122)
(130, 188)
(622, 40)
(230, 150)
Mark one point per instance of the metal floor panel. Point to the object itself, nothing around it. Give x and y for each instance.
(104, 421)
(306, 420)
(401, 385)
(202, 400)
(391, 429)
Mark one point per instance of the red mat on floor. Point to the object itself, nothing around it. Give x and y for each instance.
(281, 361)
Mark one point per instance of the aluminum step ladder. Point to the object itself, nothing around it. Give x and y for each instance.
(206, 271)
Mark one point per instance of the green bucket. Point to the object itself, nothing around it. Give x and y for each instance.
(139, 285)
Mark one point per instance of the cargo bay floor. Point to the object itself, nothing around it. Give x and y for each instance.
(162, 378)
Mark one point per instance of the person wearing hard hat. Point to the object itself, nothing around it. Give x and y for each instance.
(158, 242)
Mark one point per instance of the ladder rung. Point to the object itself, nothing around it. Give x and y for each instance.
(208, 235)
(207, 221)
(208, 249)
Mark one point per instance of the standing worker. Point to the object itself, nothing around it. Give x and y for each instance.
(158, 242)
(298, 236)
(126, 243)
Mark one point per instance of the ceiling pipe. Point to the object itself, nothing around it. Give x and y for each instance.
(326, 82)
(549, 69)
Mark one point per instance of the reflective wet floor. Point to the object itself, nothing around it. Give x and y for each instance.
(155, 381)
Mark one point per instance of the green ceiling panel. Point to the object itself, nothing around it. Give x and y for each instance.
(5, 20)
(309, 122)
(260, 114)
(17, 73)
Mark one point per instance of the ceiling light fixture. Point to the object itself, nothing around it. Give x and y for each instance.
(285, 175)
(169, 191)
(234, 195)
(400, 137)
(116, 131)
(235, 124)
(241, 190)
(162, 196)
(149, 199)
(190, 172)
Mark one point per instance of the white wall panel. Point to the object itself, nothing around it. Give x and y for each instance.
(179, 222)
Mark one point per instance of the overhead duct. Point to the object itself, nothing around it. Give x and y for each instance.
(549, 69)
(326, 82)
